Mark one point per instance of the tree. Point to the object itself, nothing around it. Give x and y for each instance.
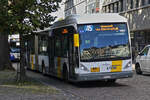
(26, 16)
(4, 27)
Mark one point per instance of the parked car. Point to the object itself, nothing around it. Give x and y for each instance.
(15, 54)
(143, 61)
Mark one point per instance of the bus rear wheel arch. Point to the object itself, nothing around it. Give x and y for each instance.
(43, 68)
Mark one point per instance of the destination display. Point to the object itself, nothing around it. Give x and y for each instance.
(103, 28)
(107, 28)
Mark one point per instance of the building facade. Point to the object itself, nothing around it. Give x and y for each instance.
(74, 7)
(94, 6)
(83, 6)
(138, 14)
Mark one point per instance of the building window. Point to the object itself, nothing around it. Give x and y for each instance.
(131, 6)
(121, 5)
(104, 9)
(137, 3)
(142, 2)
(117, 7)
(148, 1)
(91, 8)
(113, 8)
(97, 7)
(92, 11)
(109, 10)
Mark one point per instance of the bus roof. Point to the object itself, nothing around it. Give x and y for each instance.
(39, 31)
(90, 18)
(42, 32)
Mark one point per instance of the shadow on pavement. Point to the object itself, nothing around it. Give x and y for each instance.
(54, 81)
(92, 84)
(146, 74)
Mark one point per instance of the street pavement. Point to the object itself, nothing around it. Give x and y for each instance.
(135, 88)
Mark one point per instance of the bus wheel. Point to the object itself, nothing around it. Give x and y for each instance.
(65, 74)
(138, 69)
(43, 69)
(111, 80)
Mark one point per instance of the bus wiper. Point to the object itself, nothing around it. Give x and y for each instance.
(117, 56)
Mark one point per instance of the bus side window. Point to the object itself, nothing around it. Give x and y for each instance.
(43, 43)
(32, 45)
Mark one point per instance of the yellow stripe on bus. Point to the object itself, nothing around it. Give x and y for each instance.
(76, 40)
(59, 67)
(116, 66)
(32, 62)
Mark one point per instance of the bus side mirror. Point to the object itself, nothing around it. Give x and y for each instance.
(140, 54)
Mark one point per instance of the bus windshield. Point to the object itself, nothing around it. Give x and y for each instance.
(14, 47)
(15, 50)
(104, 41)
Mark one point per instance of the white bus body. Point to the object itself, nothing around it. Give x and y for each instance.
(14, 42)
(103, 69)
(86, 48)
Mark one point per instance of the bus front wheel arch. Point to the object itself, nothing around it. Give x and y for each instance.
(111, 81)
(65, 73)
(138, 69)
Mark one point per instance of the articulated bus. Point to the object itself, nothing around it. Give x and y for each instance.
(14, 43)
(36, 50)
(87, 48)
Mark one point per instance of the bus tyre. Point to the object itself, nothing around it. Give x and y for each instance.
(111, 80)
(65, 74)
(138, 69)
(43, 69)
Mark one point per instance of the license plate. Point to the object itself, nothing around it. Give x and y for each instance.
(107, 76)
(95, 69)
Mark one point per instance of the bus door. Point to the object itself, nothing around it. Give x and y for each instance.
(28, 45)
(36, 52)
(70, 54)
(51, 54)
(32, 52)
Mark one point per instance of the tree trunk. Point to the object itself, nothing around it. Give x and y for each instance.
(5, 62)
(21, 75)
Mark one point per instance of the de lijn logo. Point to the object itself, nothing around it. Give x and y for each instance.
(88, 28)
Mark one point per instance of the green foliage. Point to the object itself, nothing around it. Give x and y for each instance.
(26, 15)
(3, 16)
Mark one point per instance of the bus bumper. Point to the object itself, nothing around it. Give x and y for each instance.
(102, 76)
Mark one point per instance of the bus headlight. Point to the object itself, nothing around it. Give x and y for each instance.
(82, 67)
(128, 65)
